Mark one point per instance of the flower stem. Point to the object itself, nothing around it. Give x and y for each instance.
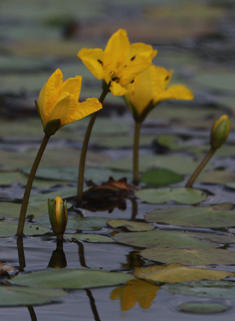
(20, 229)
(85, 147)
(200, 167)
(136, 152)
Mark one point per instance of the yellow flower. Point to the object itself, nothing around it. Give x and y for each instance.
(58, 215)
(58, 102)
(220, 131)
(134, 291)
(119, 63)
(149, 88)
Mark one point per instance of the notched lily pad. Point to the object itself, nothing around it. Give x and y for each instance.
(161, 177)
(131, 225)
(190, 256)
(212, 216)
(9, 228)
(182, 195)
(71, 278)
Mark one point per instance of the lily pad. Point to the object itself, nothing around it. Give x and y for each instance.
(19, 296)
(12, 210)
(176, 239)
(211, 289)
(180, 195)
(212, 216)
(222, 81)
(189, 256)
(176, 163)
(161, 177)
(202, 307)
(217, 177)
(71, 278)
(9, 228)
(90, 238)
(131, 225)
(176, 273)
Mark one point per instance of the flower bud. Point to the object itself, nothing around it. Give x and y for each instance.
(58, 215)
(219, 132)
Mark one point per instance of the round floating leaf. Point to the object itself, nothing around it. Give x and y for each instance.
(91, 238)
(176, 239)
(131, 225)
(211, 289)
(217, 177)
(176, 163)
(9, 228)
(78, 223)
(176, 273)
(202, 307)
(212, 216)
(197, 256)
(71, 278)
(18, 296)
(180, 195)
(161, 177)
(12, 210)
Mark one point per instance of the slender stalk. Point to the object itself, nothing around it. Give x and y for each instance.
(200, 167)
(85, 147)
(24, 206)
(136, 152)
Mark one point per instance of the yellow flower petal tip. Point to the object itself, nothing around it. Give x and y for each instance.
(151, 87)
(119, 63)
(220, 131)
(58, 102)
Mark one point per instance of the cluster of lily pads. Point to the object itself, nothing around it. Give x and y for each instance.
(125, 70)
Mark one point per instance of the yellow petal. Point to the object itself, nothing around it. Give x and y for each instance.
(41, 100)
(60, 109)
(160, 78)
(142, 49)
(117, 90)
(175, 92)
(81, 110)
(116, 51)
(93, 60)
(72, 86)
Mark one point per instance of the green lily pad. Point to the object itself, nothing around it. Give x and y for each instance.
(176, 239)
(161, 177)
(176, 163)
(71, 278)
(202, 307)
(170, 142)
(176, 273)
(12, 210)
(90, 238)
(211, 289)
(222, 81)
(123, 141)
(19, 296)
(131, 225)
(9, 228)
(217, 177)
(189, 256)
(180, 195)
(78, 223)
(212, 216)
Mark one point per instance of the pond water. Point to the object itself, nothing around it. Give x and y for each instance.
(196, 40)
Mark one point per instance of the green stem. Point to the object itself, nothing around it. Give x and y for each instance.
(20, 229)
(85, 147)
(136, 152)
(200, 167)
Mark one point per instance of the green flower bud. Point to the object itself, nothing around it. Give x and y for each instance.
(219, 132)
(58, 215)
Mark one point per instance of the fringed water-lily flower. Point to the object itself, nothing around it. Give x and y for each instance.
(150, 88)
(119, 63)
(58, 102)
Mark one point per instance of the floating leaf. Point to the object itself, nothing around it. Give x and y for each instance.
(9, 228)
(18, 296)
(161, 177)
(181, 195)
(189, 256)
(217, 177)
(202, 307)
(176, 239)
(71, 278)
(175, 273)
(91, 238)
(12, 210)
(211, 289)
(131, 225)
(222, 81)
(202, 216)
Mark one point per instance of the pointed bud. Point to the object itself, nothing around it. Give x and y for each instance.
(58, 215)
(219, 132)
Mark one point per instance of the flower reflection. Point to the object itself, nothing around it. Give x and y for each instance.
(134, 291)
